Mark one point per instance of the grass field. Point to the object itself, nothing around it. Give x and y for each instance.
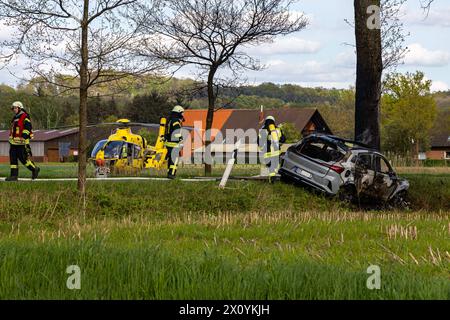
(179, 240)
(69, 170)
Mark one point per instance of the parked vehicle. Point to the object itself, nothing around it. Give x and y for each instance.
(344, 168)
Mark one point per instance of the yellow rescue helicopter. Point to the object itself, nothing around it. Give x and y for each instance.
(126, 152)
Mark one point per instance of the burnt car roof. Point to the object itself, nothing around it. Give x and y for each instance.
(341, 142)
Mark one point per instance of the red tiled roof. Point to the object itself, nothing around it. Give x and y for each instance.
(198, 117)
(249, 119)
(220, 118)
(227, 119)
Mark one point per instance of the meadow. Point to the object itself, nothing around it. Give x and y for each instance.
(253, 240)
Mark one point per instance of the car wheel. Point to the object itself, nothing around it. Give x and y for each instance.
(400, 201)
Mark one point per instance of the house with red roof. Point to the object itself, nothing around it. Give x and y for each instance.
(229, 126)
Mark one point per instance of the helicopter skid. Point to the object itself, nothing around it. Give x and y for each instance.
(102, 172)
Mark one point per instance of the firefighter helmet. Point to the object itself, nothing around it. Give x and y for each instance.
(17, 104)
(270, 118)
(178, 109)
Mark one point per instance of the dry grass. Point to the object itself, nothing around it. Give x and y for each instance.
(423, 170)
(395, 231)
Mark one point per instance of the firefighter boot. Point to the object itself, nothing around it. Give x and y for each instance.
(14, 174)
(35, 173)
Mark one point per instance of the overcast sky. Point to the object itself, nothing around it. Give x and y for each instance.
(320, 55)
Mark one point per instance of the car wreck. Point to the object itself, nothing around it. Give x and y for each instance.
(344, 168)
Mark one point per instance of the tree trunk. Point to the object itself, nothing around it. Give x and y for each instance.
(369, 70)
(210, 117)
(82, 144)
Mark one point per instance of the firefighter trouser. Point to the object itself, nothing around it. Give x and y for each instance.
(173, 157)
(22, 153)
(273, 163)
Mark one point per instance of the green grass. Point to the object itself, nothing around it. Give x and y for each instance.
(153, 272)
(70, 170)
(48, 170)
(178, 240)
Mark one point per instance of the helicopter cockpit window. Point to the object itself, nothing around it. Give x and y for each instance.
(97, 148)
(114, 150)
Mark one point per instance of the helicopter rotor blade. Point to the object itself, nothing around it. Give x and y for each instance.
(147, 125)
(125, 125)
(129, 124)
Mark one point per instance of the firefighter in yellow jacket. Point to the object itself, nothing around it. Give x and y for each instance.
(270, 139)
(19, 140)
(174, 139)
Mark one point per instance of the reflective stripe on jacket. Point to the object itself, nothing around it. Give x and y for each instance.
(271, 145)
(173, 134)
(21, 130)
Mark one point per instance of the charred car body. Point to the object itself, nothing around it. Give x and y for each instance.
(345, 168)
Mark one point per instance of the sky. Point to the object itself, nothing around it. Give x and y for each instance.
(322, 54)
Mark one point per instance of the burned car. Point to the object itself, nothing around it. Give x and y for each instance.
(344, 168)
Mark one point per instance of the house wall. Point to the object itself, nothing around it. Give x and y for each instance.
(43, 151)
(37, 149)
(437, 154)
(52, 147)
(4, 150)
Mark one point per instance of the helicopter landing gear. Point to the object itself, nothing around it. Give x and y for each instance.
(102, 172)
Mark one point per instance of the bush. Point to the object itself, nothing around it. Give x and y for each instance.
(436, 163)
(290, 131)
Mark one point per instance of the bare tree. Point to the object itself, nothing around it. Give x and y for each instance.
(393, 35)
(212, 34)
(426, 5)
(91, 40)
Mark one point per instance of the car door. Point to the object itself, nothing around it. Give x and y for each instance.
(385, 180)
(364, 173)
